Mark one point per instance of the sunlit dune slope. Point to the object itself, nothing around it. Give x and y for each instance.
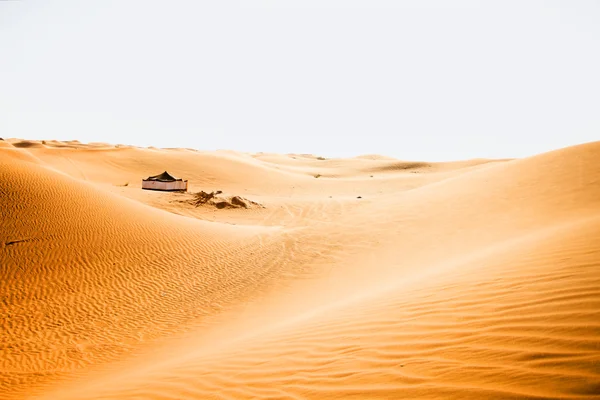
(262, 175)
(465, 280)
(521, 322)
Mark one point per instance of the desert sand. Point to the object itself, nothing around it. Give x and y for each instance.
(356, 278)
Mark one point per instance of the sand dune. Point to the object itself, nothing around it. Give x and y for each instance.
(377, 279)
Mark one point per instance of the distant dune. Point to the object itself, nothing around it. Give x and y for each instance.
(355, 278)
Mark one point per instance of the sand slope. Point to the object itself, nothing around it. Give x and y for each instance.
(472, 279)
(86, 274)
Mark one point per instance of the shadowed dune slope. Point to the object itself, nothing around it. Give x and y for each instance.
(86, 275)
(27, 144)
(480, 283)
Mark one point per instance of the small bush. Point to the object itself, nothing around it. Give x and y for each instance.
(318, 175)
(203, 197)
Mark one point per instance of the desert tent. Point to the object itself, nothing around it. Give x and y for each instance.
(164, 181)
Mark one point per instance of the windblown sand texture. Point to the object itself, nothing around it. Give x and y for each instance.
(357, 278)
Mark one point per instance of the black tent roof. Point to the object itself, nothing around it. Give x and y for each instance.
(164, 177)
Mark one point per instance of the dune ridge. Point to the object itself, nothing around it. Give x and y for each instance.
(468, 279)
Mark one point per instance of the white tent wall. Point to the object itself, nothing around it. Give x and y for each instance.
(157, 185)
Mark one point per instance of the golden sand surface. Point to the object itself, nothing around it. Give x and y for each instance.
(358, 278)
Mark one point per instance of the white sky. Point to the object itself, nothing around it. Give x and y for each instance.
(418, 80)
